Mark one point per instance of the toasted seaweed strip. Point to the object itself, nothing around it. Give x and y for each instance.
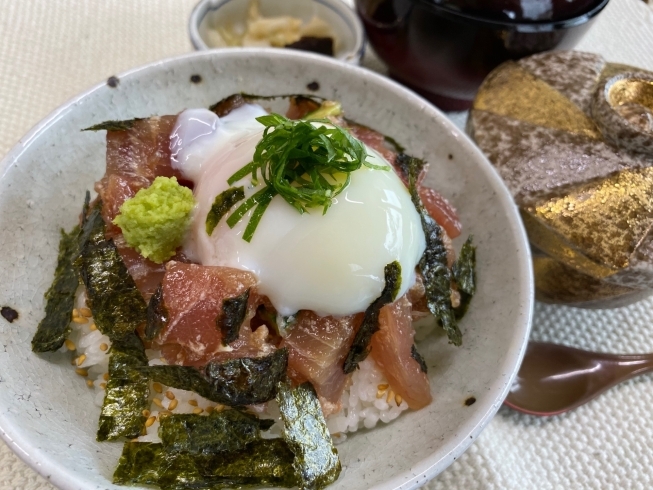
(248, 380)
(262, 462)
(236, 382)
(139, 463)
(464, 273)
(221, 206)
(418, 357)
(433, 264)
(157, 314)
(316, 460)
(226, 431)
(114, 125)
(232, 317)
(127, 391)
(117, 305)
(360, 347)
(55, 326)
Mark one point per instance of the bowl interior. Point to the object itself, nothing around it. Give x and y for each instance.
(47, 414)
(232, 15)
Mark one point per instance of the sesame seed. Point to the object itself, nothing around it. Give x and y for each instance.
(192, 403)
(391, 395)
(81, 372)
(92, 327)
(79, 319)
(89, 383)
(70, 345)
(170, 395)
(383, 387)
(157, 387)
(173, 404)
(146, 413)
(197, 411)
(157, 402)
(75, 312)
(105, 376)
(72, 362)
(103, 347)
(150, 421)
(80, 360)
(209, 409)
(398, 399)
(379, 394)
(103, 385)
(85, 312)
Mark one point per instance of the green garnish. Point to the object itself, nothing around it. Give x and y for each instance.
(360, 347)
(155, 220)
(232, 317)
(316, 460)
(127, 391)
(221, 206)
(55, 326)
(464, 273)
(117, 305)
(306, 164)
(326, 109)
(228, 430)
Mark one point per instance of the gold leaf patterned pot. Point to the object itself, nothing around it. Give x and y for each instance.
(572, 137)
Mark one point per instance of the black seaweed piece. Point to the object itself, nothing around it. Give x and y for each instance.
(464, 273)
(221, 206)
(139, 463)
(55, 326)
(360, 347)
(225, 431)
(396, 147)
(313, 44)
(316, 460)
(184, 378)
(420, 360)
(114, 125)
(248, 380)
(117, 305)
(157, 314)
(232, 317)
(433, 264)
(127, 391)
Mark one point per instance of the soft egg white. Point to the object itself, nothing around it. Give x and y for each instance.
(332, 264)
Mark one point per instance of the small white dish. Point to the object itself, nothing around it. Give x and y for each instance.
(347, 28)
(47, 414)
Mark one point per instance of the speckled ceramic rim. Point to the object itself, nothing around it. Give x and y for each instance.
(486, 407)
(345, 13)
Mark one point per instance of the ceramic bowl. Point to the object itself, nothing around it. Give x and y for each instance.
(347, 28)
(47, 414)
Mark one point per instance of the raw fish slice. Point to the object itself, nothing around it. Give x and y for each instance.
(391, 349)
(317, 347)
(193, 296)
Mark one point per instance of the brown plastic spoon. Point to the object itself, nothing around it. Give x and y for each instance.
(554, 378)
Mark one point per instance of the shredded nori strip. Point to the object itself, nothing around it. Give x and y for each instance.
(464, 273)
(235, 382)
(262, 462)
(221, 206)
(114, 125)
(232, 317)
(225, 431)
(418, 357)
(127, 391)
(316, 460)
(55, 326)
(433, 264)
(117, 305)
(157, 314)
(360, 348)
(248, 380)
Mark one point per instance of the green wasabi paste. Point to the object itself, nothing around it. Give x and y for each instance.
(156, 219)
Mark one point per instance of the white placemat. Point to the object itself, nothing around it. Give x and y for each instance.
(51, 50)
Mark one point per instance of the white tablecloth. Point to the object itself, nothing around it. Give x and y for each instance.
(51, 50)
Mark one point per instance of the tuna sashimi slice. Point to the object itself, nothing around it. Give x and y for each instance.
(193, 296)
(317, 347)
(391, 349)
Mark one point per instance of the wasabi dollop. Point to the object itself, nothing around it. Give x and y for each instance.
(156, 219)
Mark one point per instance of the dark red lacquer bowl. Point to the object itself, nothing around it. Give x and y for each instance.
(443, 49)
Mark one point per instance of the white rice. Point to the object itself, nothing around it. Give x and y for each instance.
(366, 401)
